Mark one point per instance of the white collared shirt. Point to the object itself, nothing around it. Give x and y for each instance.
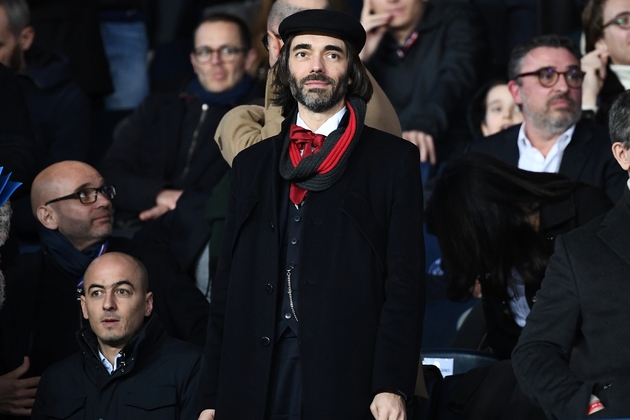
(110, 368)
(328, 127)
(530, 158)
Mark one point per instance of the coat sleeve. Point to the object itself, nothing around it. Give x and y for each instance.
(380, 113)
(399, 332)
(135, 190)
(541, 357)
(189, 390)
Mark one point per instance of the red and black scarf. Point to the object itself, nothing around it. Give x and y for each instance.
(320, 170)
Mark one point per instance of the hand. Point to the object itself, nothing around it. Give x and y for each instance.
(165, 201)
(18, 395)
(388, 406)
(424, 142)
(375, 26)
(594, 65)
(206, 415)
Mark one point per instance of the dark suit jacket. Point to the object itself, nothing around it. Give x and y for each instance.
(588, 157)
(583, 306)
(361, 296)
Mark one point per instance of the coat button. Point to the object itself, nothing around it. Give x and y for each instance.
(287, 315)
(294, 241)
(296, 218)
(265, 341)
(273, 227)
(269, 288)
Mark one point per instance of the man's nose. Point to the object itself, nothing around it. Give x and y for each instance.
(109, 302)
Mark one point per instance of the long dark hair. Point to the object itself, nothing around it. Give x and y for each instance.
(481, 211)
(360, 85)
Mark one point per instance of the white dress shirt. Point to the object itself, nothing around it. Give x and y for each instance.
(530, 158)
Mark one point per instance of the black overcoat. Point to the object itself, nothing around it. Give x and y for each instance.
(362, 283)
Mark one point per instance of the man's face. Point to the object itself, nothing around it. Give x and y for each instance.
(319, 71)
(114, 301)
(615, 38)
(552, 109)
(82, 224)
(220, 72)
(405, 14)
(10, 52)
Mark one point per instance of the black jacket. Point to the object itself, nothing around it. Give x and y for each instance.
(41, 313)
(166, 143)
(156, 379)
(587, 158)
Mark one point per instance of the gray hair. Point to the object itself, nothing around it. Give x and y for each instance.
(619, 120)
(18, 14)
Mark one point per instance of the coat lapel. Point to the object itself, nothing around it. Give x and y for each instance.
(577, 152)
(615, 228)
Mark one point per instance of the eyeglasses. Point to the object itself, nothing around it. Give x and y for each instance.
(88, 195)
(548, 76)
(226, 54)
(622, 20)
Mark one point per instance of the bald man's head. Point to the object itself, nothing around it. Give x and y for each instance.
(117, 264)
(82, 224)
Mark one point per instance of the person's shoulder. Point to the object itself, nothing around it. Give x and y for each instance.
(144, 251)
(64, 368)
(490, 143)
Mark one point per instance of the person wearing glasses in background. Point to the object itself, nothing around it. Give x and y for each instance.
(607, 62)
(166, 145)
(73, 205)
(546, 83)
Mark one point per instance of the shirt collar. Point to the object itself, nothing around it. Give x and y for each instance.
(328, 127)
(110, 368)
(562, 142)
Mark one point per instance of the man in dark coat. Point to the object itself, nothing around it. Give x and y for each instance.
(581, 312)
(166, 146)
(317, 304)
(546, 82)
(41, 313)
(128, 367)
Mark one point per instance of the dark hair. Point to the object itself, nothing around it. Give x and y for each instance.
(360, 87)
(478, 106)
(480, 211)
(243, 30)
(551, 41)
(18, 15)
(619, 120)
(593, 22)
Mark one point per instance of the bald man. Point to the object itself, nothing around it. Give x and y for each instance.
(73, 205)
(248, 124)
(128, 367)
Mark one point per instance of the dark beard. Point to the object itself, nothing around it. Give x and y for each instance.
(319, 100)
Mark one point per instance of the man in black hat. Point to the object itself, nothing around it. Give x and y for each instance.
(317, 304)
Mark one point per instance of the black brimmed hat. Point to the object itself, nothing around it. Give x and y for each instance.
(325, 22)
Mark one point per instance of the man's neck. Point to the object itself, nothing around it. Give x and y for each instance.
(541, 139)
(110, 352)
(314, 120)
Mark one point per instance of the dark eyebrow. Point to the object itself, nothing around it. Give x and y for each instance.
(302, 47)
(118, 283)
(334, 48)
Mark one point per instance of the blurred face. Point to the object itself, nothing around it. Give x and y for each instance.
(220, 60)
(319, 71)
(501, 111)
(405, 14)
(552, 109)
(615, 38)
(10, 53)
(114, 301)
(82, 224)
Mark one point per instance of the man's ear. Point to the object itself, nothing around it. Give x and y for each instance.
(47, 217)
(193, 62)
(515, 90)
(148, 308)
(250, 59)
(622, 155)
(25, 40)
(275, 45)
(83, 307)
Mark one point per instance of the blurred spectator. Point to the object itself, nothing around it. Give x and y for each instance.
(546, 82)
(429, 58)
(166, 146)
(607, 62)
(492, 110)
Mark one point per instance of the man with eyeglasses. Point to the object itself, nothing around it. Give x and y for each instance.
(166, 146)
(572, 356)
(73, 205)
(546, 82)
(607, 62)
